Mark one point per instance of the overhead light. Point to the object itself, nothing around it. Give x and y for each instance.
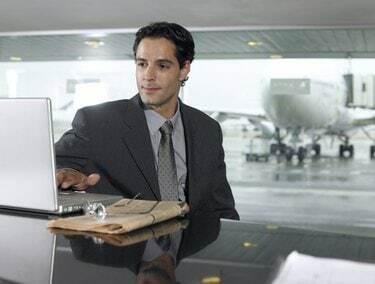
(79, 58)
(15, 58)
(254, 43)
(97, 35)
(276, 56)
(94, 43)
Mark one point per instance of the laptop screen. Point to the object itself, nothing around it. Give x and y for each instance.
(27, 163)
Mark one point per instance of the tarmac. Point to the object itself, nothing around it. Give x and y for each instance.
(326, 193)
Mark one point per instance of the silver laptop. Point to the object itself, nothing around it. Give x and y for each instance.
(27, 161)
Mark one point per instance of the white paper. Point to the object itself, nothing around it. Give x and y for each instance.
(304, 269)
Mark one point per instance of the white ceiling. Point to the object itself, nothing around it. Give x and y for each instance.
(49, 30)
(52, 15)
(288, 43)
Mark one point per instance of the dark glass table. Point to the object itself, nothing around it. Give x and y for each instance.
(208, 250)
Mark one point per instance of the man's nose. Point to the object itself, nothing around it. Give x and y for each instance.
(150, 73)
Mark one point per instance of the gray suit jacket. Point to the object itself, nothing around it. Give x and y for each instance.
(113, 140)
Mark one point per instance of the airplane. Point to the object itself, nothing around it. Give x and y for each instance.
(316, 108)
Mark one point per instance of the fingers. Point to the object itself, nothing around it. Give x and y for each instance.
(59, 177)
(67, 178)
(92, 179)
(87, 181)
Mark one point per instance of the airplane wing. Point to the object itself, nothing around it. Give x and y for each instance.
(364, 122)
(258, 120)
(350, 120)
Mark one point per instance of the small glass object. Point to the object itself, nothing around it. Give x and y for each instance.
(96, 209)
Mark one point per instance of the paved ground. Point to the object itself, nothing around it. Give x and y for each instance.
(327, 193)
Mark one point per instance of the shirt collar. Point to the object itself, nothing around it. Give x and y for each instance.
(155, 120)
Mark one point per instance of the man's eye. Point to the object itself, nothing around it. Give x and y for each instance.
(141, 64)
(164, 66)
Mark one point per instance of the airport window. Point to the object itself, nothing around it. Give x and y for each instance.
(291, 176)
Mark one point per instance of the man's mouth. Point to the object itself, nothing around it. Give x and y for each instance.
(150, 89)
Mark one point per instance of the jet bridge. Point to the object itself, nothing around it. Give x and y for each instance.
(361, 91)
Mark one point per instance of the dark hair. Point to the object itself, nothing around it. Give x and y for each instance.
(177, 34)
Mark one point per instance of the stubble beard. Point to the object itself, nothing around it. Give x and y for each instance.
(150, 104)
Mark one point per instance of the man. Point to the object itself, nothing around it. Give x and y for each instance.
(153, 144)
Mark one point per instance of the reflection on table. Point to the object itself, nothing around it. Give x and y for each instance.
(199, 249)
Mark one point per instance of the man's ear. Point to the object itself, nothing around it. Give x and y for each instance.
(184, 71)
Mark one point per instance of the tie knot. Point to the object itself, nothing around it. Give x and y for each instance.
(166, 128)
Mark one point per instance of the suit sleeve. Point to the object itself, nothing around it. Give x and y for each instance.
(222, 196)
(82, 148)
(74, 147)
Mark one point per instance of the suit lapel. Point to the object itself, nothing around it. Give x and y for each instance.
(192, 144)
(137, 140)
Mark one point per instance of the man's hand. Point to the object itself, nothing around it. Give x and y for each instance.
(66, 178)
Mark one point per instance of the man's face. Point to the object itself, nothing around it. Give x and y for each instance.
(158, 74)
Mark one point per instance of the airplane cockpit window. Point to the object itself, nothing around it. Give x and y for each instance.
(298, 121)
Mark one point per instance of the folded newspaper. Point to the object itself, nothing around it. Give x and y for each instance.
(124, 216)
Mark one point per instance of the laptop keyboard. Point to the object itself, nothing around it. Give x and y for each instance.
(75, 201)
